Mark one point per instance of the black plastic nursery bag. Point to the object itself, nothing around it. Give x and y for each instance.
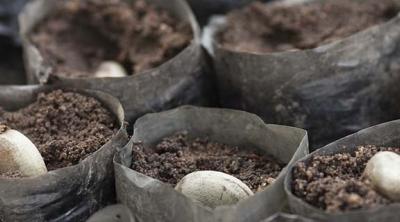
(332, 90)
(387, 135)
(184, 79)
(152, 200)
(66, 194)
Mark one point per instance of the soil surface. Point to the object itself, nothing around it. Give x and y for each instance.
(80, 36)
(177, 155)
(15, 174)
(336, 183)
(66, 127)
(272, 27)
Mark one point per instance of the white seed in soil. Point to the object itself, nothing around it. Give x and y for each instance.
(213, 188)
(383, 169)
(110, 69)
(19, 154)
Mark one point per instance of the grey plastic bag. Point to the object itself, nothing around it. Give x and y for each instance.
(113, 213)
(11, 63)
(152, 200)
(332, 91)
(9, 10)
(184, 79)
(67, 194)
(386, 134)
(284, 217)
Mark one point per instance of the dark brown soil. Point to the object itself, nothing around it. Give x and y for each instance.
(15, 174)
(83, 34)
(271, 28)
(336, 183)
(66, 127)
(177, 155)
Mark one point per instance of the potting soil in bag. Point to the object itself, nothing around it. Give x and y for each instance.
(284, 217)
(78, 37)
(155, 42)
(76, 133)
(167, 146)
(306, 65)
(331, 184)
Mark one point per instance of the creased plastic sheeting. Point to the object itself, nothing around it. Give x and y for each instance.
(332, 91)
(284, 217)
(70, 193)
(152, 200)
(11, 63)
(184, 79)
(386, 134)
(9, 10)
(113, 213)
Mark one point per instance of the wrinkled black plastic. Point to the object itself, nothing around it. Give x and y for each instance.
(283, 217)
(9, 10)
(113, 213)
(152, 200)
(11, 62)
(184, 79)
(332, 91)
(386, 134)
(67, 194)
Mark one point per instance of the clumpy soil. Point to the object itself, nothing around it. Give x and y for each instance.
(66, 127)
(14, 174)
(176, 156)
(81, 35)
(336, 183)
(271, 28)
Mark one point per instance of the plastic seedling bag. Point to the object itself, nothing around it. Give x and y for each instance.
(66, 194)
(152, 200)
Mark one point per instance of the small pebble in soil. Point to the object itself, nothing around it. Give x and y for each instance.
(18, 155)
(337, 183)
(110, 69)
(212, 188)
(178, 155)
(383, 170)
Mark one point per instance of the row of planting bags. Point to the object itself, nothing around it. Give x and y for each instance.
(331, 91)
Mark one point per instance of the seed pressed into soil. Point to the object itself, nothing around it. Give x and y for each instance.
(177, 155)
(270, 28)
(81, 35)
(66, 127)
(335, 183)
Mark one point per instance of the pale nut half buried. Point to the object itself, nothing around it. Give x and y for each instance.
(19, 154)
(213, 188)
(383, 169)
(110, 69)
